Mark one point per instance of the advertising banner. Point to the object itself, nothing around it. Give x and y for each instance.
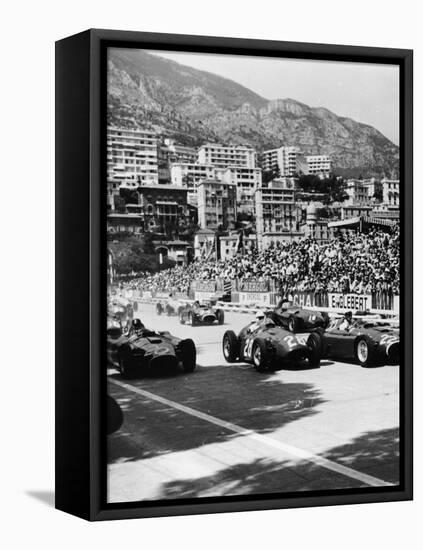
(255, 298)
(205, 286)
(309, 299)
(203, 295)
(253, 286)
(351, 302)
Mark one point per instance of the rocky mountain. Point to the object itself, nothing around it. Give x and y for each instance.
(194, 106)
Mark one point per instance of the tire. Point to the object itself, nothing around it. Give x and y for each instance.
(159, 309)
(315, 345)
(188, 355)
(135, 306)
(230, 346)
(260, 356)
(169, 311)
(293, 324)
(220, 316)
(124, 368)
(181, 317)
(364, 351)
(191, 319)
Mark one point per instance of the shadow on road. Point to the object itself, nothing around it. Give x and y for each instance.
(374, 453)
(260, 402)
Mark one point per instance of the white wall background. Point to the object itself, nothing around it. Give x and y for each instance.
(28, 32)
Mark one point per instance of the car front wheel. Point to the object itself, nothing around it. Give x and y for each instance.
(260, 357)
(230, 346)
(365, 352)
(188, 354)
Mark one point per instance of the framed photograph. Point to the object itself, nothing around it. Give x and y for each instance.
(234, 274)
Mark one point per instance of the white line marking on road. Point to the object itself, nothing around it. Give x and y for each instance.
(264, 439)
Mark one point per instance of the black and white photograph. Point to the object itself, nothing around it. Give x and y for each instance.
(253, 275)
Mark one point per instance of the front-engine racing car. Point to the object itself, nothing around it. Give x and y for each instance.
(369, 342)
(170, 306)
(297, 319)
(142, 349)
(269, 346)
(122, 310)
(201, 313)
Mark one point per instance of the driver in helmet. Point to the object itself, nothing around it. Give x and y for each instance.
(345, 324)
(258, 321)
(136, 327)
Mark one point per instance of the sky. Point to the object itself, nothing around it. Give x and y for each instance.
(367, 93)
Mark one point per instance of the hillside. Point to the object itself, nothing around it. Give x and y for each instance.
(196, 106)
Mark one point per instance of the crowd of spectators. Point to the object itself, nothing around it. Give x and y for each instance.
(359, 263)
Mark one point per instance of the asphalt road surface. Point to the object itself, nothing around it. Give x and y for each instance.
(229, 430)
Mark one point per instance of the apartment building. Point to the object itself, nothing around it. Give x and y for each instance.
(222, 156)
(288, 160)
(391, 192)
(357, 193)
(246, 180)
(374, 187)
(319, 165)
(132, 156)
(189, 174)
(216, 204)
(277, 213)
(175, 152)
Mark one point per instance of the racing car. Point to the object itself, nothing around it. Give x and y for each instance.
(269, 346)
(122, 310)
(169, 306)
(369, 342)
(203, 313)
(143, 349)
(297, 319)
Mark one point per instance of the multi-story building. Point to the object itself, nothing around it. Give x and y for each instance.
(315, 227)
(216, 204)
(319, 165)
(374, 187)
(125, 222)
(223, 156)
(246, 180)
(132, 156)
(277, 214)
(189, 175)
(175, 152)
(357, 193)
(161, 207)
(289, 161)
(391, 192)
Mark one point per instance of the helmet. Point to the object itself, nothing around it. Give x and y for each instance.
(137, 325)
(348, 315)
(259, 315)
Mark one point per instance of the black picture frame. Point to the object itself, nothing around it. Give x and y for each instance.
(81, 272)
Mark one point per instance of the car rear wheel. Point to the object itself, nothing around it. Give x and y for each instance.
(314, 343)
(293, 324)
(230, 346)
(124, 367)
(364, 351)
(188, 355)
(260, 356)
(191, 319)
(181, 317)
(220, 316)
(159, 309)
